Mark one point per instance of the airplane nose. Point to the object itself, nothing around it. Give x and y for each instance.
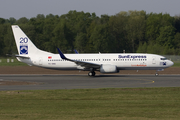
(171, 63)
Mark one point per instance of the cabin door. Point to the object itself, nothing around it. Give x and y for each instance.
(40, 61)
(153, 60)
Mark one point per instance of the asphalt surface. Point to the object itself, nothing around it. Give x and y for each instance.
(45, 82)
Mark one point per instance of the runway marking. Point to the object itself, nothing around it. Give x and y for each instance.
(151, 81)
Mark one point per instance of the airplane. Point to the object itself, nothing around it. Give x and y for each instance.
(102, 62)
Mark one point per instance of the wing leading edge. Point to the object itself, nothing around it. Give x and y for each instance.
(80, 63)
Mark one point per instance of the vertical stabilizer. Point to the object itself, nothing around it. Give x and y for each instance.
(24, 45)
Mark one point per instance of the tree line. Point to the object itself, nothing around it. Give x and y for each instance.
(132, 31)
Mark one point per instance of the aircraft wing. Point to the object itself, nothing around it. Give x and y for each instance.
(81, 63)
(87, 64)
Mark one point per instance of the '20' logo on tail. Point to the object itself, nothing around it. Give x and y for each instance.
(24, 40)
(23, 45)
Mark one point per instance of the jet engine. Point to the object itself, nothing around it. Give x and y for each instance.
(105, 68)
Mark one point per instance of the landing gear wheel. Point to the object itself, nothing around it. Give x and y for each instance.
(91, 73)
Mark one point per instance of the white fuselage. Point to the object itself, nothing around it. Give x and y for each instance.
(128, 61)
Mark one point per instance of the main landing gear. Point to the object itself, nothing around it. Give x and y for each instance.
(92, 73)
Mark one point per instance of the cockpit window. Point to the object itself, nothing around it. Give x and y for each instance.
(163, 58)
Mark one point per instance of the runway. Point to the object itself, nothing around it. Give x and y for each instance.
(46, 82)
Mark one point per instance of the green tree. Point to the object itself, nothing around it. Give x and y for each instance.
(117, 25)
(40, 17)
(22, 20)
(2, 20)
(9, 42)
(142, 48)
(102, 39)
(80, 42)
(166, 37)
(177, 23)
(51, 16)
(177, 43)
(155, 48)
(131, 31)
(154, 23)
(2, 39)
(12, 20)
(59, 40)
(135, 28)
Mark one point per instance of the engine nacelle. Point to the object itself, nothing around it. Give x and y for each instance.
(105, 68)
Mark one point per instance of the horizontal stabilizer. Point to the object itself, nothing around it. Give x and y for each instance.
(24, 57)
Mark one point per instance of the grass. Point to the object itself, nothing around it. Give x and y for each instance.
(176, 64)
(91, 104)
(3, 62)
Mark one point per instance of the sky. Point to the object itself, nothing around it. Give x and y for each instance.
(31, 8)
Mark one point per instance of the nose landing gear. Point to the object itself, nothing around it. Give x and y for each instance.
(156, 74)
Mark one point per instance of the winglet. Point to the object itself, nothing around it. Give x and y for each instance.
(76, 51)
(61, 54)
